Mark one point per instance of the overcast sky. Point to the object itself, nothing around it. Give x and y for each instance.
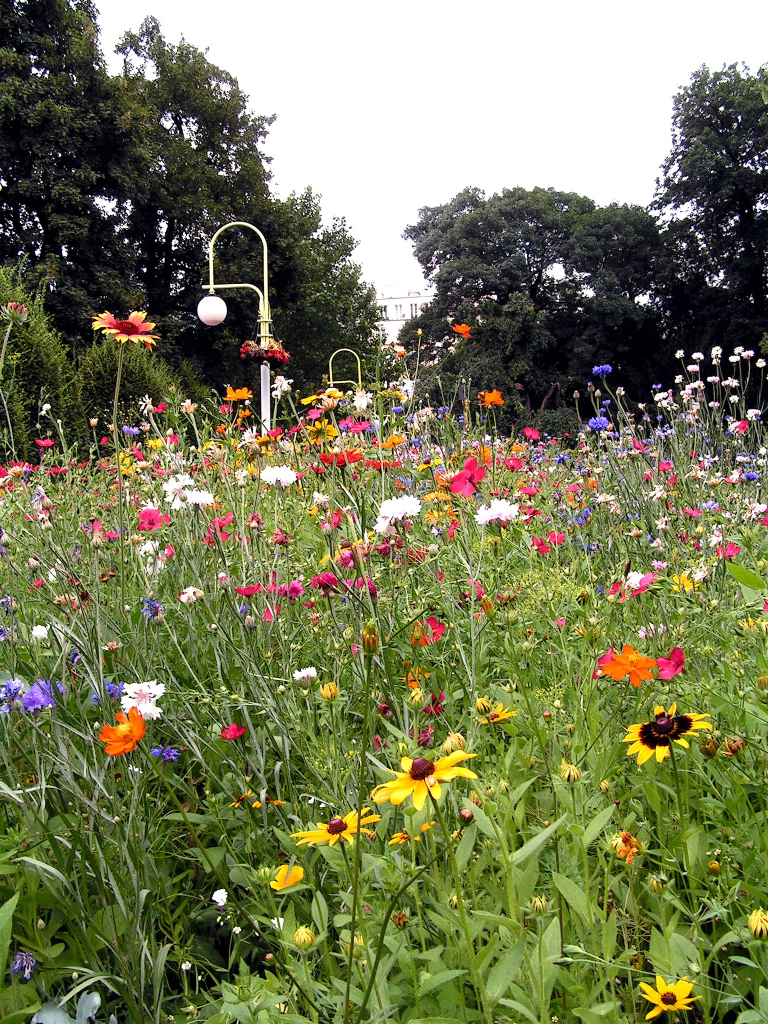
(387, 107)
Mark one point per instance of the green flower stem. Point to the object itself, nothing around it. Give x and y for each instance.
(477, 981)
(360, 799)
(116, 441)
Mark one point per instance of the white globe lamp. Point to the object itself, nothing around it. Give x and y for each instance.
(212, 309)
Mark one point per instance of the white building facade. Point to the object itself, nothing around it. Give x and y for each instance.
(397, 306)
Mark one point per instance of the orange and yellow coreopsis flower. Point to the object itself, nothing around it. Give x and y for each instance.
(135, 328)
(338, 828)
(421, 777)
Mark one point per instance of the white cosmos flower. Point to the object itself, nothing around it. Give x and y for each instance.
(199, 498)
(393, 510)
(40, 632)
(143, 697)
(279, 476)
(499, 511)
(303, 675)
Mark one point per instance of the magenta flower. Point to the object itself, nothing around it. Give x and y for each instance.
(671, 666)
(233, 732)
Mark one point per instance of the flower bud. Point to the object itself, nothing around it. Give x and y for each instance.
(482, 705)
(466, 815)
(329, 691)
(539, 905)
(569, 773)
(708, 747)
(265, 875)
(657, 883)
(370, 637)
(714, 867)
(733, 746)
(303, 937)
(454, 741)
(762, 682)
(758, 923)
(487, 605)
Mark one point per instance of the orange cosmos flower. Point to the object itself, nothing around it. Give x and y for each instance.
(238, 394)
(489, 398)
(463, 329)
(122, 738)
(135, 328)
(629, 663)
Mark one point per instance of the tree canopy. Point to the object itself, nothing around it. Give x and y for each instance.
(112, 186)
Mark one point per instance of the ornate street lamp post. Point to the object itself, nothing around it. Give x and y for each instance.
(212, 310)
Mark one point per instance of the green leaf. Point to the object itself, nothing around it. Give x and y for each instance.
(573, 896)
(598, 823)
(6, 923)
(19, 1016)
(435, 980)
(504, 971)
(529, 848)
(745, 577)
(465, 847)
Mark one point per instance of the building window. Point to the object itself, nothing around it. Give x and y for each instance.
(414, 310)
(399, 312)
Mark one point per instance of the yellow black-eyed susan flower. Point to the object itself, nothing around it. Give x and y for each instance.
(668, 998)
(421, 777)
(649, 738)
(338, 828)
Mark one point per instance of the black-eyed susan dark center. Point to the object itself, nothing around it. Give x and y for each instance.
(665, 729)
(336, 826)
(669, 998)
(422, 768)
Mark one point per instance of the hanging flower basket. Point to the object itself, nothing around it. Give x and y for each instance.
(272, 352)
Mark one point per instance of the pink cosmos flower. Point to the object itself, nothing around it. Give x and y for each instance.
(531, 433)
(428, 632)
(671, 666)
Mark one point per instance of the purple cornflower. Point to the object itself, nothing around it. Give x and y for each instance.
(24, 964)
(599, 423)
(132, 431)
(602, 370)
(166, 753)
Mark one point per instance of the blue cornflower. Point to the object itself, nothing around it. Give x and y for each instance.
(561, 458)
(24, 964)
(655, 387)
(74, 657)
(602, 370)
(39, 696)
(152, 609)
(397, 409)
(114, 690)
(751, 477)
(131, 430)
(5, 604)
(599, 423)
(166, 753)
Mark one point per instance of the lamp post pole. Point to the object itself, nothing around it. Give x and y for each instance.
(212, 310)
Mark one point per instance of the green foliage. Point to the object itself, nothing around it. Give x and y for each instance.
(113, 186)
(550, 284)
(36, 371)
(714, 197)
(143, 374)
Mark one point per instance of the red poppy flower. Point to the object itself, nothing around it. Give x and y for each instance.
(343, 458)
(152, 519)
(531, 434)
(465, 480)
(463, 329)
(45, 443)
(233, 732)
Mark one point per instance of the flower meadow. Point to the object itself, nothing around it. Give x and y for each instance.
(382, 716)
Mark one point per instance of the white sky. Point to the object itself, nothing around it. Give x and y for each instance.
(387, 107)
